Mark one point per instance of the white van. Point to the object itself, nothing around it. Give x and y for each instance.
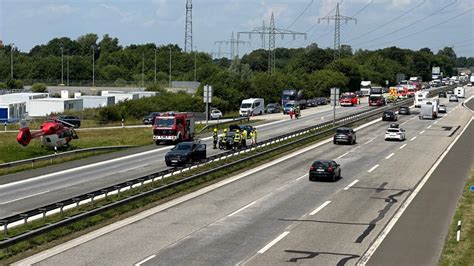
(435, 105)
(459, 91)
(420, 96)
(252, 106)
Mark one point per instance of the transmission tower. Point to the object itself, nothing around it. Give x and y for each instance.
(272, 32)
(234, 45)
(188, 34)
(337, 29)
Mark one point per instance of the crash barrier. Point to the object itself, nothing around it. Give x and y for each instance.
(234, 119)
(59, 207)
(58, 155)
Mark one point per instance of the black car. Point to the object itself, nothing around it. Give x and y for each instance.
(324, 169)
(70, 120)
(346, 135)
(228, 144)
(185, 152)
(442, 94)
(404, 110)
(321, 101)
(247, 128)
(148, 120)
(273, 108)
(389, 116)
(312, 103)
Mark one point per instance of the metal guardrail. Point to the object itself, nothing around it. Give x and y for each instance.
(58, 155)
(234, 119)
(89, 197)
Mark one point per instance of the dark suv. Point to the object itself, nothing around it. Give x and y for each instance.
(324, 168)
(185, 152)
(346, 135)
(389, 116)
(442, 94)
(70, 120)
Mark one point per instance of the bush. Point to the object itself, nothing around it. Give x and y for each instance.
(3, 85)
(120, 82)
(14, 84)
(39, 87)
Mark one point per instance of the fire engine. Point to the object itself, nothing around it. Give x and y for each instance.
(348, 99)
(173, 127)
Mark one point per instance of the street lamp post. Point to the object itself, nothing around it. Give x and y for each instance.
(93, 67)
(67, 68)
(195, 64)
(62, 65)
(155, 66)
(143, 70)
(170, 70)
(11, 59)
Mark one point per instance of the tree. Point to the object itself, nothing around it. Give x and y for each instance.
(39, 87)
(109, 45)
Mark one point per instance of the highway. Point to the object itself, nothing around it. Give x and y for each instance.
(273, 215)
(31, 189)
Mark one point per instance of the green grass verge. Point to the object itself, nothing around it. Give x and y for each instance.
(462, 252)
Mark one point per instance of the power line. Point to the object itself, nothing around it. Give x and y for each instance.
(234, 46)
(301, 14)
(411, 24)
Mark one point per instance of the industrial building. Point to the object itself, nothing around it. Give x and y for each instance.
(12, 111)
(121, 96)
(46, 106)
(95, 101)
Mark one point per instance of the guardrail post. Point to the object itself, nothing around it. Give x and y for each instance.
(25, 218)
(61, 206)
(92, 198)
(130, 184)
(5, 125)
(5, 226)
(76, 200)
(106, 193)
(118, 190)
(123, 123)
(43, 210)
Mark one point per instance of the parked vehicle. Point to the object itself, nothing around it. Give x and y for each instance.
(185, 152)
(228, 144)
(389, 116)
(442, 108)
(427, 111)
(70, 120)
(460, 92)
(247, 128)
(273, 108)
(216, 114)
(322, 101)
(252, 106)
(450, 92)
(404, 110)
(173, 127)
(324, 169)
(442, 94)
(376, 100)
(312, 103)
(288, 107)
(395, 133)
(365, 87)
(348, 99)
(453, 98)
(148, 120)
(292, 95)
(346, 135)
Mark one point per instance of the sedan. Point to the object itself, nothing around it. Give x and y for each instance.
(216, 114)
(324, 169)
(442, 108)
(442, 94)
(404, 110)
(273, 108)
(453, 98)
(389, 116)
(185, 152)
(395, 133)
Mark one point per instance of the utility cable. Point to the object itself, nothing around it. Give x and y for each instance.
(301, 14)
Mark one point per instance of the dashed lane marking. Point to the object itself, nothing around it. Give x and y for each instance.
(373, 168)
(320, 208)
(351, 184)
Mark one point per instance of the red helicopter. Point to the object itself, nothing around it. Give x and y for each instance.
(53, 133)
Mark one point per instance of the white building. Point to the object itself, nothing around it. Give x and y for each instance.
(96, 101)
(46, 106)
(143, 94)
(25, 97)
(12, 111)
(121, 96)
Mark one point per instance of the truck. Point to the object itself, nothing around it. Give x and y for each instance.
(348, 99)
(252, 106)
(173, 127)
(365, 87)
(376, 97)
(460, 92)
(293, 95)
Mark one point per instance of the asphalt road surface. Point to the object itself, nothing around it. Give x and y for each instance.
(274, 215)
(31, 189)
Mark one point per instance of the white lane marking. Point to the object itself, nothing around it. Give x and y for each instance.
(351, 184)
(342, 155)
(22, 198)
(373, 168)
(428, 127)
(403, 146)
(145, 260)
(366, 257)
(269, 245)
(133, 168)
(421, 133)
(303, 176)
(389, 156)
(435, 122)
(412, 139)
(403, 123)
(241, 209)
(320, 208)
(367, 142)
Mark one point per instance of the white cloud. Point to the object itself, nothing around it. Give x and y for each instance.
(400, 3)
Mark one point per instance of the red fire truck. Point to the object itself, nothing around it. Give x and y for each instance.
(348, 99)
(173, 127)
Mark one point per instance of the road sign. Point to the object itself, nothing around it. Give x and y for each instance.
(334, 95)
(207, 94)
(472, 188)
(436, 70)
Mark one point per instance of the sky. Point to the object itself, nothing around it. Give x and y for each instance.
(412, 24)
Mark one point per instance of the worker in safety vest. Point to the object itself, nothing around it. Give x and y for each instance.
(223, 139)
(255, 136)
(237, 139)
(297, 112)
(215, 137)
(244, 138)
(252, 136)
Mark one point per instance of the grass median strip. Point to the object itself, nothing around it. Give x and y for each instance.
(462, 252)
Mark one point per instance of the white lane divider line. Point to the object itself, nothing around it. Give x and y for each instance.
(435, 122)
(320, 208)
(351, 184)
(269, 245)
(373, 168)
(342, 155)
(389, 156)
(428, 127)
(412, 139)
(133, 168)
(25, 197)
(241, 209)
(303, 176)
(403, 146)
(145, 260)
(421, 133)
(367, 142)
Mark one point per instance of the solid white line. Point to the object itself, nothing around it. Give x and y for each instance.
(412, 139)
(428, 127)
(241, 209)
(145, 260)
(342, 155)
(373, 168)
(403, 146)
(435, 122)
(269, 245)
(303, 176)
(133, 168)
(367, 142)
(365, 258)
(389, 156)
(320, 208)
(29, 196)
(421, 133)
(351, 184)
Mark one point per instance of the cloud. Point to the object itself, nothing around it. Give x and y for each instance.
(125, 17)
(400, 3)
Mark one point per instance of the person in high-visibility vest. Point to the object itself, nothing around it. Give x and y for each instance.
(244, 138)
(237, 139)
(215, 138)
(223, 139)
(255, 134)
(252, 136)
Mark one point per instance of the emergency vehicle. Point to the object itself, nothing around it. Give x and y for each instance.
(348, 99)
(173, 127)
